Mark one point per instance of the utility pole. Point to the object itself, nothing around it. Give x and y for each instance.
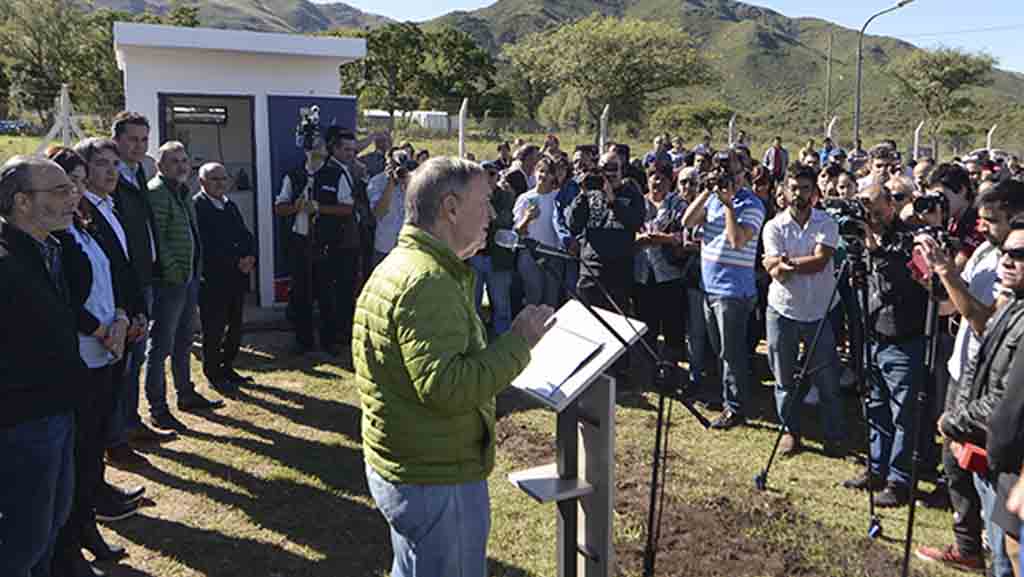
(828, 75)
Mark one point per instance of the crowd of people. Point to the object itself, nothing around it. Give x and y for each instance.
(832, 258)
(103, 266)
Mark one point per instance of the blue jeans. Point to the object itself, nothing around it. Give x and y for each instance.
(37, 469)
(541, 284)
(696, 336)
(999, 560)
(727, 321)
(435, 529)
(499, 289)
(125, 416)
(894, 374)
(170, 334)
(784, 338)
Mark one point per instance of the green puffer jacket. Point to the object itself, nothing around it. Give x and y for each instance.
(426, 376)
(177, 238)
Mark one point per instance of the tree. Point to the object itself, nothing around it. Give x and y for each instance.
(959, 135)
(529, 84)
(39, 38)
(455, 68)
(703, 117)
(5, 88)
(936, 81)
(621, 62)
(390, 75)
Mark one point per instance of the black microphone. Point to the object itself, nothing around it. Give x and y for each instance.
(512, 241)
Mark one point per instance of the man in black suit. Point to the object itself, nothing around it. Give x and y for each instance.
(41, 367)
(229, 256)
(131, 133)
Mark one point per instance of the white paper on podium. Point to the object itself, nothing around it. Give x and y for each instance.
(573, 353)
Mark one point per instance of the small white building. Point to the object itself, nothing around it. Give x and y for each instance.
(430, 119)
(235, 97)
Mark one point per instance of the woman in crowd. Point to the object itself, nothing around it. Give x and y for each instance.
(534, 218)
(659, 262)
(102, 328)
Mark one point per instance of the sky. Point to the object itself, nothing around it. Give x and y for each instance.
(927, 23)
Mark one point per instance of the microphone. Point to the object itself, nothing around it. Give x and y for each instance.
(509, 239)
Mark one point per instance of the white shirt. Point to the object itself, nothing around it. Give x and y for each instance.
(301, 225)
(983, 284)
(542, 228)
(100, 302)
(105, 206)
(388, 226)
(801, 297)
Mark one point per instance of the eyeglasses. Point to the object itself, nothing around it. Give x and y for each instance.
(1015, 254)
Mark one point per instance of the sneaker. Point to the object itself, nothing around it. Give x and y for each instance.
(863, 481)
(125, 458)
(893, 496)
(108, 510)
(122, 494)
(168, 421)
(727, 420)
(197, 402)
(148, 435)
(789, 445)
(950, 556)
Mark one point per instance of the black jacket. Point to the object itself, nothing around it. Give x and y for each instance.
(127, 288)
(987, 377)
(136, 217)
(608, 231)
(897, 304)
(41, 372)
(225, 240)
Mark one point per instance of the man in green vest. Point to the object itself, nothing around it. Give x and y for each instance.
(427, 377)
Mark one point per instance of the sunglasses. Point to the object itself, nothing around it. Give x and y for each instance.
(1015, 254)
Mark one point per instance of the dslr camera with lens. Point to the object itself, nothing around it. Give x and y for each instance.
(307, 133)
(849, 214)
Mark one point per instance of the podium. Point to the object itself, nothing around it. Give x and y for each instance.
(566, 374)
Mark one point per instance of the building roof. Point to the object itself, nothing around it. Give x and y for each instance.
(159, 36)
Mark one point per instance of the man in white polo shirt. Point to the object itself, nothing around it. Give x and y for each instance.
(798, 247)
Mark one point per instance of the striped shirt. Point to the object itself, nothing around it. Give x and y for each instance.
(727, 271)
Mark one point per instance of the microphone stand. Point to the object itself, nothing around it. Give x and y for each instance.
(664, 373)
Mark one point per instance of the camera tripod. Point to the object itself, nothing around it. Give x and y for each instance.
(667, 381)
(931, 363)
(799, 380)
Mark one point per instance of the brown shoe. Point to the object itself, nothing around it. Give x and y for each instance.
(789, 445)
(146, 435)
(123, 457)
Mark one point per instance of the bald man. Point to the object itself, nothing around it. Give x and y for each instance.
(229, 257)
(42, 369)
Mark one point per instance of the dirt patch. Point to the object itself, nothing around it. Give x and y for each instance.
(523, 444)
(745, 534)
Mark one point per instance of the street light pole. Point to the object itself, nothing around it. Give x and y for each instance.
(860, 64)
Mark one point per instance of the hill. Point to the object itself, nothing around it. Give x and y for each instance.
(773, 68)
(261, 15)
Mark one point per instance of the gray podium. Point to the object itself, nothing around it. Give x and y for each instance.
(566, 374)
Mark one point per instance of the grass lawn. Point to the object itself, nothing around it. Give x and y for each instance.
(272, 485)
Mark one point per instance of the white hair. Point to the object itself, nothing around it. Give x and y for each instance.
(206, 169)
(167, 148)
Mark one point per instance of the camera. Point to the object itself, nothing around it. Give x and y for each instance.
(850, 215)
(929, 202)
(719, 176)
(904, 242)
(592, 181)
(307, 133)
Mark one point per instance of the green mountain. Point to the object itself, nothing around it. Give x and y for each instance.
(773, 69)
(261, 15)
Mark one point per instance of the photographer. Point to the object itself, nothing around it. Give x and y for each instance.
(798, 247)
(606, 216)
(972, 293)
(954, 184)
(386, 193)
(897, 307)
(731, 217)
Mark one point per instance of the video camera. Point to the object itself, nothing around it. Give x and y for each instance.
(720, 175)
(593, 180)
(929, 202)
(849, 214)
(307, 133)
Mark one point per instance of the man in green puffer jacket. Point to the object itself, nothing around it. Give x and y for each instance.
(427, 377)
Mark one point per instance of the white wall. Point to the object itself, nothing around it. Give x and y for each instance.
(151, 71)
